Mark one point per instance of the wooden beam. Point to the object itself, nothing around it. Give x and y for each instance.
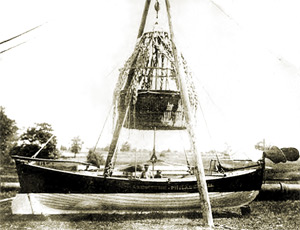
(47, 160)
(202, 186)
(123, 115)
(144, 18)
(116, 135)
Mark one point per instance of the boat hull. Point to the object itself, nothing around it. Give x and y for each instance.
(39, 179)
(58, 203)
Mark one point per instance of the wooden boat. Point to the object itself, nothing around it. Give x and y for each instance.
(40, 179)
(152, 93)
(46, 190)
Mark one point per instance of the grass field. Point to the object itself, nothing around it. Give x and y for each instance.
(265, 215)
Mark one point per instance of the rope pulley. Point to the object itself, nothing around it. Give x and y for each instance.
(157, 8)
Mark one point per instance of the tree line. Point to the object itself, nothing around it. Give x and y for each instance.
(38, 138)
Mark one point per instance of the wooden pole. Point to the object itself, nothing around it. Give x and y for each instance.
(144, 18)
(114, 142)
(43, 146)
(202, 186)
(123, 115)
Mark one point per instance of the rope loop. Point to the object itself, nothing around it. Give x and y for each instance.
(157, 7)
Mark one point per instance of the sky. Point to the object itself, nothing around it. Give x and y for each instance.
(244, 56)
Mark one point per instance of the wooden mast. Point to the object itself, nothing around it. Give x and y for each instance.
(202, 186)
(123, 115)
(144, 18)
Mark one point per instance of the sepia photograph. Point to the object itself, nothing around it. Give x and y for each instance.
(149, 114)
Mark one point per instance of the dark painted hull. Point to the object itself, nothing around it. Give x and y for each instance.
(39, 179)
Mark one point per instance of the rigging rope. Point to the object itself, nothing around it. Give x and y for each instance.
(3, 51)
(7, 40)
(20, 34)
(206, 124)
(277, 57)
(186, 157)
(103, 127)
(157, 8)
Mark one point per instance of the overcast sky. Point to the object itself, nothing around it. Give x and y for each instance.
(244, 55)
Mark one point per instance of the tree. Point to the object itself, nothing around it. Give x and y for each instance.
(34, 139)
(76, 145)
(96, 158)
(125, 147)
(8, 136)
(63, 148)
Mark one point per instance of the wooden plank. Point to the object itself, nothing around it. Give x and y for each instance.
(48, 160)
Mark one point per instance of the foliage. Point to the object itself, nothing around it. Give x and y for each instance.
(96, 158)
(63, 148)
(125, 147)
(76, 145)
(8, 137)
(106, 148)
(34, 139)
(164, 153)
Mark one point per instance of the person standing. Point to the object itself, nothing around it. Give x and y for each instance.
(147, 174)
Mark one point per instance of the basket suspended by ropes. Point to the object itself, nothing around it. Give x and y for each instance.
(149, 83)
(155, 109)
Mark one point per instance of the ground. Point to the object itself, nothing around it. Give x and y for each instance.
(265, 215)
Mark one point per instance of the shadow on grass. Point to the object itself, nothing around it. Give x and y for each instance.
(111, 217)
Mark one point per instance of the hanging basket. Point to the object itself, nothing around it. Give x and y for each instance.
(160, 109)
